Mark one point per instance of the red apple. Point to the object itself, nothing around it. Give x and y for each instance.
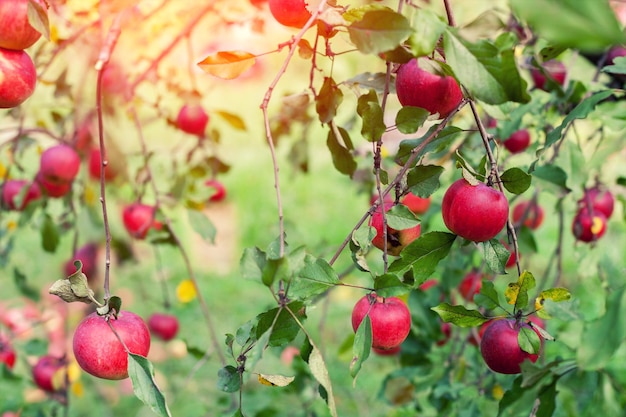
(98, 350)
(615, 52)
(518, 141)
(416, 204)
(87, 254)
(95, 166)
(7, 353)
(114, 79)
(555, 69)
(511, 261)
(446, 331)
(51, 189)
(192, 119)
(588, 227)
(600, 200)
(390, 318)
(220, 190)
(471, 285)
(388, 199)
(474, 212)
(477, 335)
(163, 325)
(292, 13)
(12, 188)
(138, 219)
(15, 30)
(419, 88)
(396, 239)
(17, 77)
(387, 352)
(59, 164)
(531, 213)
(44, 372)
(429, 283)
(500, 348)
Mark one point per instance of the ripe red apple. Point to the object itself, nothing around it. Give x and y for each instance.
(192, 119)
(388, 199)
(396, 239)
(511, 261)
(556, 70)
(420, 88)
(475, 213)
(44, 372)
(138, 219)
(477, 335)
(7, 353)
(470, 285)
(220, 190)
(500, 348)
(600, 200)
(59, 164)
(16, 33)
(12, 188)
(292, 13)
(163, 325)
(17, 77)
(615, 52)
(416, 204)
(51, 189)
(518, 141)
(530, 211)
(98, 350)
(390, 318)
(87, 254)
(114, 79)
(588, 227)
(95, 166)
(387, 352)
(429, 283)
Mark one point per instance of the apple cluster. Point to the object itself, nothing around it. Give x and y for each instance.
(594, 210)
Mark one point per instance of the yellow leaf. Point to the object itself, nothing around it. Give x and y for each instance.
(3, 170)
(275, 380)
(186, 291)
(11, 225)
(77, 389)
(227, 64)
(73, 371)
(233, 120)
(497, 391)
(511, 292)
(553, 294)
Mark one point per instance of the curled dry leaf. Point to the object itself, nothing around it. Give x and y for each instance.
(227, 64)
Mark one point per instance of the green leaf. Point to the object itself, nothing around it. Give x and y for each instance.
(528, 340)
(410, 118)
(202, 225)
(424, 253)
(379, 31)
(588, 25)
(228, 379)
(21, 282)
(428, 28)
(49, 234)
(552, 174)
(547, 400)
(556, 295)
(316, 277)
(515, 180)
(488, 296)
(389, 285)
(618, 67)
(320, 372)
(495, 255)
(423, 180)
(282, 325)
(343, 160)
(328, 100)
(517, 292)
(141, 374)
(372, 114)
(362, 345)
(238, 413)
(252, 263)
(487, 72)
(399, 217)
(246, 333)
(441, 143)
(459, 315)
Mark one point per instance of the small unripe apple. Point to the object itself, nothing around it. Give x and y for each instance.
(600, 200)
(220, 190)
(556, 70)
(470, 285)
(138, 219)
(390, 318)
(12, 188)
(7, 353)
(474, 212)
(95, 166)
(98, 350)
(419, 88)
(192, 119)
(500, 347)
(59, 164)
(163, 325)
(292, 13)
(530, 211)
(518, 141)
(44, 373)
(588, 227)
(396, 239)
(16, 31)
(87, 254)
(17, 78)
(416, 204)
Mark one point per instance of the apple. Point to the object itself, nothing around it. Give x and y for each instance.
(52, 189)
(536, 321)
(588, 227)
(555, 69)
(7, 353)
(531, 213)
(416, 204)
(374, 199)
(98, 350)
(59, 164)
(16, 31)
(220, 190)
(87, 254)
(500, 348)
(511, 261)
(114, 79)
(474, 212)
(429, 283)
(12, 188)
(600, 200)
(396, 239)
(446, 331)
(292, 13)
(390, 318)
(419, 88)
(477, 335)
(518, 141)
(470, 285)
(192, 119)
(615, 52)
(138, 219)
(163, 325)
(17, 78)
(387, 352)
(44, 372)
(95, 166)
